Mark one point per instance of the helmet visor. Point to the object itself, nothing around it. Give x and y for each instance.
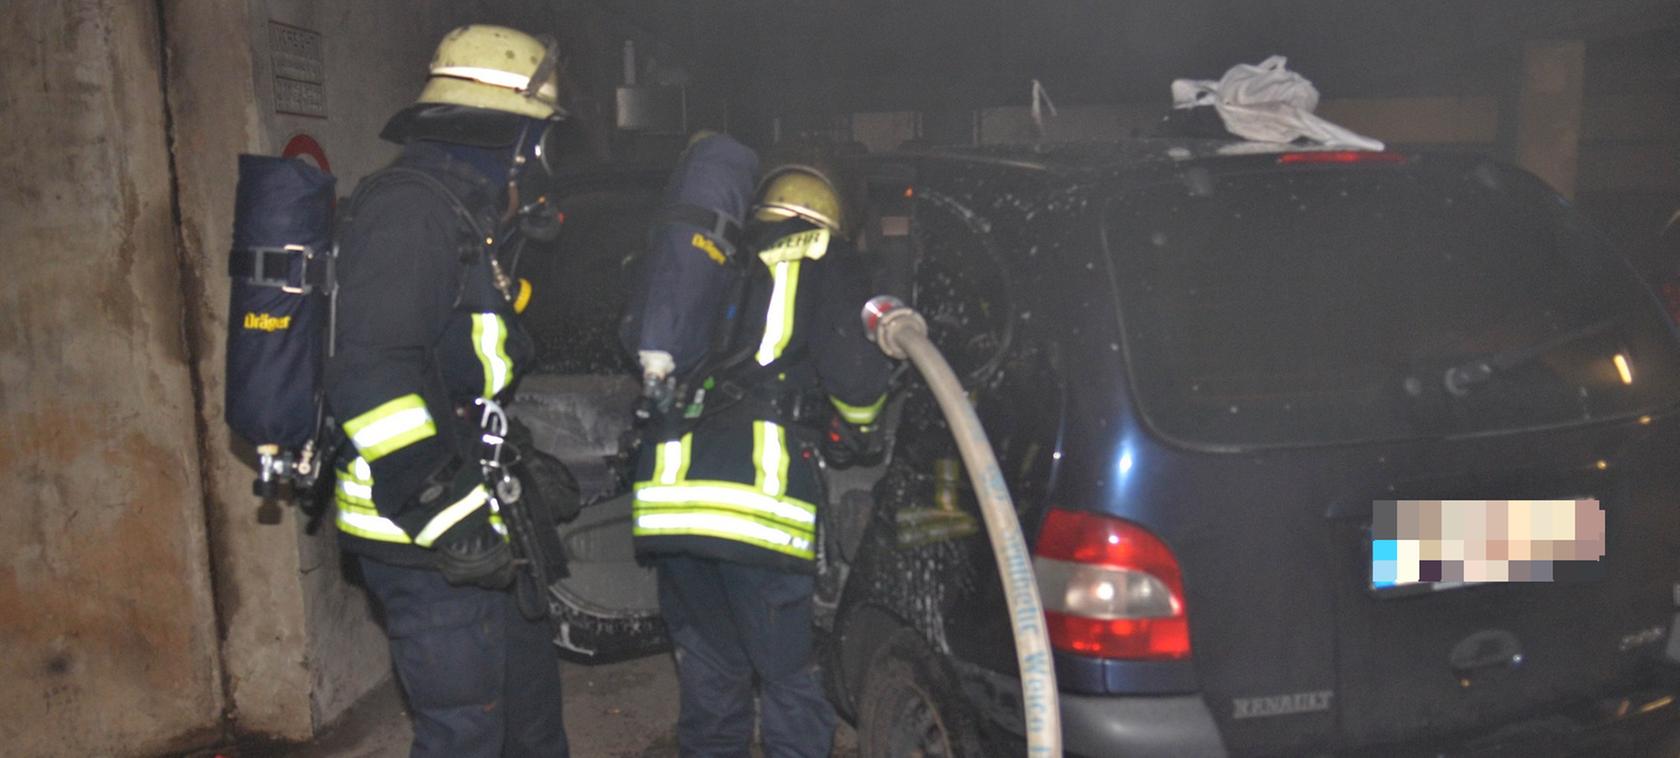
(541, 144)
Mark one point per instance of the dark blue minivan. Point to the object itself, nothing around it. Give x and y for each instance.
(1209, 369)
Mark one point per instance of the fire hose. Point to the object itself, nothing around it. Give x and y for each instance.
(902, 333)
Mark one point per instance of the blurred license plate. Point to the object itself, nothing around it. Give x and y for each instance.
(1430, 545)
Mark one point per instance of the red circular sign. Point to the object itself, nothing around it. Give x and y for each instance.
(303, 144)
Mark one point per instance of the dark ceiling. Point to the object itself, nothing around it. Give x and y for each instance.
(805, 55)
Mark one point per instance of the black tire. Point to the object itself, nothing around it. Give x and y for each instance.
(912, 706)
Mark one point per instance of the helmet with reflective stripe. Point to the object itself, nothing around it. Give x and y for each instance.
(796, 190)
(479, 77)
(497, 68)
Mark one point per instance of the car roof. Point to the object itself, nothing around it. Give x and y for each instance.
(1096, 159)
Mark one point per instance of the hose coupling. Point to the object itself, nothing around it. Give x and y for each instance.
(885, 318)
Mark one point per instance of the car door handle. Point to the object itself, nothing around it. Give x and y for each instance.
(1486, 649)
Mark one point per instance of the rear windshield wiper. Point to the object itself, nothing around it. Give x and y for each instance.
(1460, 379)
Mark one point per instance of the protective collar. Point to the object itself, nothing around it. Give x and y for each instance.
(479, 127)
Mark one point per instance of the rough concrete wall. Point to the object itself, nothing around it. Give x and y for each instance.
(257, 566)
(108, 633)
(1466, 120)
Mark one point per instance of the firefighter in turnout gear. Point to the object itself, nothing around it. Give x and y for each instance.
(427, 344)
(726, 503)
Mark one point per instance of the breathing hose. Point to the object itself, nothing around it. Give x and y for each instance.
(902, 333)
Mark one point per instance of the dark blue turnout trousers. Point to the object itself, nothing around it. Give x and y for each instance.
(732, 624)
(482, 680)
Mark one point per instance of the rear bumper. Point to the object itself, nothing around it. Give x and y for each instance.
(1636, 724)
(1178, 725)
(1644, 723)
(1182, 726)
(1101, 725)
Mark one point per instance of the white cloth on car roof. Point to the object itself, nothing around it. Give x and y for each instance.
(1267, 103)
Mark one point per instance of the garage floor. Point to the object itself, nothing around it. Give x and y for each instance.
(620, 710)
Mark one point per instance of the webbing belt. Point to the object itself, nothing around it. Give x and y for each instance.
(281, 267)
(720, 227)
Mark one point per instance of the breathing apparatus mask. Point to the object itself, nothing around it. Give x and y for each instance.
(531, 176)
(530, 182)
(530, 214)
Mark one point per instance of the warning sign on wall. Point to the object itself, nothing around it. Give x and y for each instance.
(300, 78)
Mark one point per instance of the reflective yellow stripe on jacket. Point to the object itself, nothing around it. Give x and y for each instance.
(770, 458)
(727, 510)
(760, 514)
(489, 336)
(778, 319)
(358, 516)
(859, 415)
(452, 514)
(390, 427)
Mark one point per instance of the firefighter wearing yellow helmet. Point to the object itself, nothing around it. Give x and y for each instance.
(796, 190)
(428, 345)
(727, 499)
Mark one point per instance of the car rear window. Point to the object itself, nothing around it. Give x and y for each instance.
(1316, 306)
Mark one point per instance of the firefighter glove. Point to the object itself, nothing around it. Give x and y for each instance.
(479, 557)
(470, 551)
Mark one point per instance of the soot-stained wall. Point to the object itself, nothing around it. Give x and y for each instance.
(107, 636)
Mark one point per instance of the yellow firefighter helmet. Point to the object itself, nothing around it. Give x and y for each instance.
(496, 68)
(796, 190)
(486, 84)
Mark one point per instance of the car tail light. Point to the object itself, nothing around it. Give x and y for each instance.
(1110, 589)
(1339, 156)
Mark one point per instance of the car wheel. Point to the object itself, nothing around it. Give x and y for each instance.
(912, 707)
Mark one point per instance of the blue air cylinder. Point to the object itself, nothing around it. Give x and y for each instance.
(687, 271)
(278, 310)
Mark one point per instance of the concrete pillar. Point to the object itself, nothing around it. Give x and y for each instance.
(107, 630)
(1549, 111)
(1425, 120)
(300, 643)
(260, 589)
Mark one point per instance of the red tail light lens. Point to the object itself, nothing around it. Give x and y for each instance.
(1339, 156)
(1110, 589)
